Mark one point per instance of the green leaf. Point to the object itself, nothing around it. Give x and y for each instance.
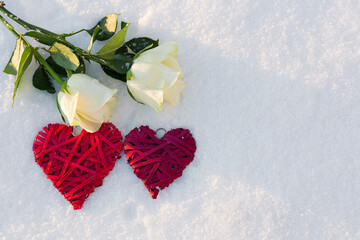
(136, 45)
(25, 60)
(139, 44)
(123, 24)
(41, 81)
(113, 74)
(81, 68)
(138, 53)
(44, 38)
(124, 50)
(108, 25)
(63, 56)
(93, 38)
(62, 71)
(13, 64)
(120, 64)
(56, 67)
(109, 49)
(128, 50)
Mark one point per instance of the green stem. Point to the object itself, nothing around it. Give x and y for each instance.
(37, 55)
(51, 71)
(23, 23)
(11, 28)
(59, 38)
(73, 33)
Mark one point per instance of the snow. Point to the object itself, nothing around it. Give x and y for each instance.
(272, 99)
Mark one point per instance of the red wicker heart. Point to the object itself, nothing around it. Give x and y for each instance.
(158, 162)
(77, 164)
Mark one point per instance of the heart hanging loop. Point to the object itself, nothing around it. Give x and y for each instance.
(158, 134)
(76, 131)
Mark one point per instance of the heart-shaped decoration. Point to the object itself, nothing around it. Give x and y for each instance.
(158, 162)
(77, 164)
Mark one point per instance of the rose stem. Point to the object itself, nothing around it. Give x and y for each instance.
(23, 23)
(61, 39)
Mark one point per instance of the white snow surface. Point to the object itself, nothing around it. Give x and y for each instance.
(272, 98)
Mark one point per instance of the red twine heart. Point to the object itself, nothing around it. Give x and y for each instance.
(77, 164)
(158, 162)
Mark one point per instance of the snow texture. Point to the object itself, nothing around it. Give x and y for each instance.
(272, 98)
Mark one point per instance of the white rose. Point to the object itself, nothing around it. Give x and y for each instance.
(156, 76)
(87, 103)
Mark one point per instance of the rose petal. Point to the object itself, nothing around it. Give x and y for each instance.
(169, 75)
(171, 62)
(86, 124)
(156, 76)
(172, 94)
(159, 53)
(153, 98)
(68, 103)
(93, 95)
(101, 115)
(147, 76)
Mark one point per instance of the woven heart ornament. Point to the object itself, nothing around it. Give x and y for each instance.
(158, 162)
(77, 164)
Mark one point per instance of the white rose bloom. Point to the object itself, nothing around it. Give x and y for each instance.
(88, 102)
(156, 76)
